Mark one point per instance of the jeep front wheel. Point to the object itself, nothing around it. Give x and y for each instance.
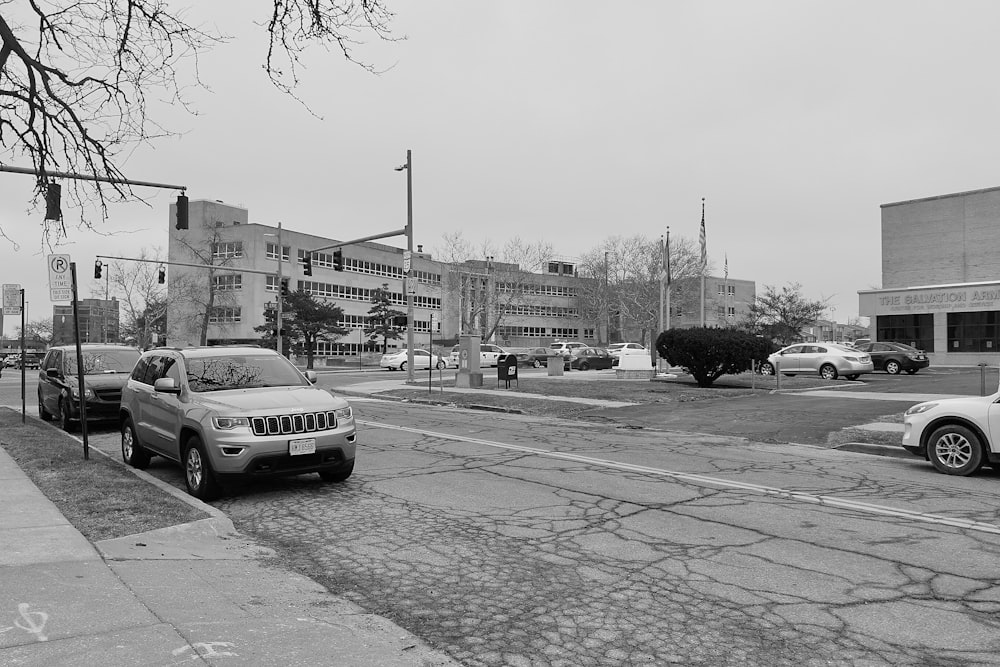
(198, 475)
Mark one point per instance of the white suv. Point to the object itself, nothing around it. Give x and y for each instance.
(227, 412)
(565, 347)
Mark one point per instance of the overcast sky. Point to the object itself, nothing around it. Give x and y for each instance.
(569, 121)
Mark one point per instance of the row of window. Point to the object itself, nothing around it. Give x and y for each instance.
(538, 311)
(349, 293)
(537, 290)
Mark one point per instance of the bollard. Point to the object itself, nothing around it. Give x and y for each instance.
(982, 378)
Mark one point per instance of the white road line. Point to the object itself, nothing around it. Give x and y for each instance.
(828, 501)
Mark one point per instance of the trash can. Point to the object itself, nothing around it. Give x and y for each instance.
(506, 369)
(555, 364)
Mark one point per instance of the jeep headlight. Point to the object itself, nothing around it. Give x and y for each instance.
(87, 393)
(229, 423)
(344, 414)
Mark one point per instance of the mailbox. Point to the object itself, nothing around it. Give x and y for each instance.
(506, 369)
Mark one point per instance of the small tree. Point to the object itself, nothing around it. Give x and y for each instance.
(781, 316)
(380, 317)
(708, 353)
(310, 321)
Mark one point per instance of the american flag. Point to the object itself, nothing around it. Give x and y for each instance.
(701, 237)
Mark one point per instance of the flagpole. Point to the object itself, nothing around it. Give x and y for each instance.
(663, 262)
(725, 292)
(667, 307)
(704, 260)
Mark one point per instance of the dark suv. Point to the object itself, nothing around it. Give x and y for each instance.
(105, 370)
(228, 412)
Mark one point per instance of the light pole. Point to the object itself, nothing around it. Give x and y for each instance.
(407, 285)
(277, 324)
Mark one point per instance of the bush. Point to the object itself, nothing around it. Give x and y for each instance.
(708, 353)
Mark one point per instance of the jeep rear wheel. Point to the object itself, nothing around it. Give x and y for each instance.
(132, 452)
(198, 474)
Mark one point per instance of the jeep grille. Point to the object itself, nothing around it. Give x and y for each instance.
(287, 424)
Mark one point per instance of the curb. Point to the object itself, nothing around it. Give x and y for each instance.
(875, 450)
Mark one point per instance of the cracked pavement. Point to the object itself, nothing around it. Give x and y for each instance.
(507, 540)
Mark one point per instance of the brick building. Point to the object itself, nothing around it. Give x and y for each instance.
(940, 277)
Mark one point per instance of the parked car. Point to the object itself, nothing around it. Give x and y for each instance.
(488, 355)
(895, 357)
(829, 360)
(105, 370)
(421, 359)
(536, 357)
(31, 360)
(587, 358)
(565, 347)
(954, 434)
(233, 412)
(616, 349)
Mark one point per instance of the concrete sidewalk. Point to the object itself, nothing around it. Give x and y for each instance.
(198, 592)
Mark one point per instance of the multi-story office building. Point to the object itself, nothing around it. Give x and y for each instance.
(224, 273)
(98, 322)
(727, 301)
(940, 277)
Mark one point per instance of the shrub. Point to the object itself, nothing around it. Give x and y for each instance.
(708, 353)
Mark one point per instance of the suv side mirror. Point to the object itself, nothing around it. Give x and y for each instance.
(311, 376)
(166, 386)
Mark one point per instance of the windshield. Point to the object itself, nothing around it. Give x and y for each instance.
(97, 362)
(242, 372)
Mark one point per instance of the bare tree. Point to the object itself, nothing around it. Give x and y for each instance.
(142, 299)
(75, 78)
(626, 285)
(197, 293)
(492, 281)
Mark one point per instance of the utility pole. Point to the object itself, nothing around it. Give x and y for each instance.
(408, 277)
(281, 252)
(607, 301)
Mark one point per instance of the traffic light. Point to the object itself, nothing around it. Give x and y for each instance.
(284, 287)
(182, 212)
(338, 260)
(53, 194)
(307, 265)
(98, 266)
(163, 276)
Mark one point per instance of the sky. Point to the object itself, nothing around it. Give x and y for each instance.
(571, 121)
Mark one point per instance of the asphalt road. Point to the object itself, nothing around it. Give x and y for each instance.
(505, 540)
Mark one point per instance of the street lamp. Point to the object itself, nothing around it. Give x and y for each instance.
(408, 286)
(277, 324)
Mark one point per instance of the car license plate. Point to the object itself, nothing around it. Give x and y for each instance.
(303, 446)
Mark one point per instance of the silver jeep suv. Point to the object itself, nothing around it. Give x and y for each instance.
(233, 412)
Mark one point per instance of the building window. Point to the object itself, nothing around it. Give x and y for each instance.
(915, 330)
(973, 332)
(227, 250)
(220, 315)
(227, 282)
(271, 251)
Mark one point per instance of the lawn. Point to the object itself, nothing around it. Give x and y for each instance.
(100, 496)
